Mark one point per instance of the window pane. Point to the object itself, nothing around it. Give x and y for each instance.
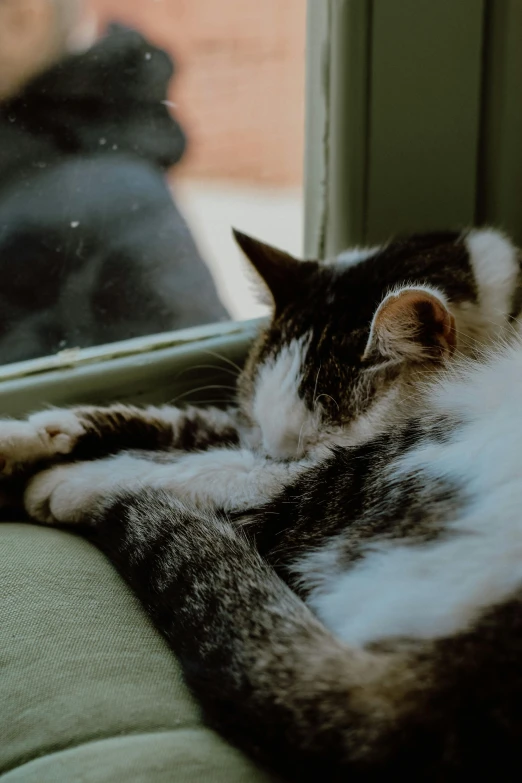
(120, 181)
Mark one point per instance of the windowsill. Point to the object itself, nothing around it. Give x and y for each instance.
(153, 369)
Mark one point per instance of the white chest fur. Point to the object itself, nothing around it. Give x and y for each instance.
(437, 588)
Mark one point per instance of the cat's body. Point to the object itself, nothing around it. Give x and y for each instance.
(338, 562)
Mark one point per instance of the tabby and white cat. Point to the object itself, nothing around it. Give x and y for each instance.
(337, 562)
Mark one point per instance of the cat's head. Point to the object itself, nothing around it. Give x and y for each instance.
(349, 340)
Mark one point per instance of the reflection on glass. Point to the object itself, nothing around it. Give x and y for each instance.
(94, 163)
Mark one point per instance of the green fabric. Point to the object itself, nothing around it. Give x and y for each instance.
(88, 690)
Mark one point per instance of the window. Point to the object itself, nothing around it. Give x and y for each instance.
(120, 182)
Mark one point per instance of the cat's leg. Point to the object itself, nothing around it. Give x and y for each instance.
(268, 675)
(92, 432)
(232, 480)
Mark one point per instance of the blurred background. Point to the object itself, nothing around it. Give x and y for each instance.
(239, 94)
(133, 135)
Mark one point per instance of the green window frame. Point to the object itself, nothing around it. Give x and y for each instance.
(414, 118)
(191, 364)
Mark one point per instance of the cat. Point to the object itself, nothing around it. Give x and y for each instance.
(337, 560)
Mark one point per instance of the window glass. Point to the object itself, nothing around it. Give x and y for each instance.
(133, 135)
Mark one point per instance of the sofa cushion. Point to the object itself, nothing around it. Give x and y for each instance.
(89, 690)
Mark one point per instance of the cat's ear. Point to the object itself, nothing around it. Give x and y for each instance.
(278, 270)
(412, 324)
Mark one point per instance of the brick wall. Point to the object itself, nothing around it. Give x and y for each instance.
(240, 85)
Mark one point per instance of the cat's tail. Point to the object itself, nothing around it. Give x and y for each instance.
(268, 675)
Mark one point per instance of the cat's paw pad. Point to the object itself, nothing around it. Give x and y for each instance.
(43, 436)
(65, 494)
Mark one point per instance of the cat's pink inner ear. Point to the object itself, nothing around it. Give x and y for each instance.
(413, 324)
(277, 269)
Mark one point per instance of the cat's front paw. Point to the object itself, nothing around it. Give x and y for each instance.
(43, 436)
(65, 494)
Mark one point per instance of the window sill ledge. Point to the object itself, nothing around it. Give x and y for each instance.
(191, 365)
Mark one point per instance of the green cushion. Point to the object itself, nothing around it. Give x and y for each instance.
(88, 689)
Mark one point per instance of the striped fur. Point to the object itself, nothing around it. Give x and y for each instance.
(337, 562)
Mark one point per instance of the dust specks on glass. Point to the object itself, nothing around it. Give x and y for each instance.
(133, 135)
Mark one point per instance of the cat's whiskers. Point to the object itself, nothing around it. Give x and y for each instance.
(224, 359)
(300, 438)
(216, 401)
(299, 442)
(330, 398)
(201, 388)
(315, 387)
(317, 397)
(207, 367)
